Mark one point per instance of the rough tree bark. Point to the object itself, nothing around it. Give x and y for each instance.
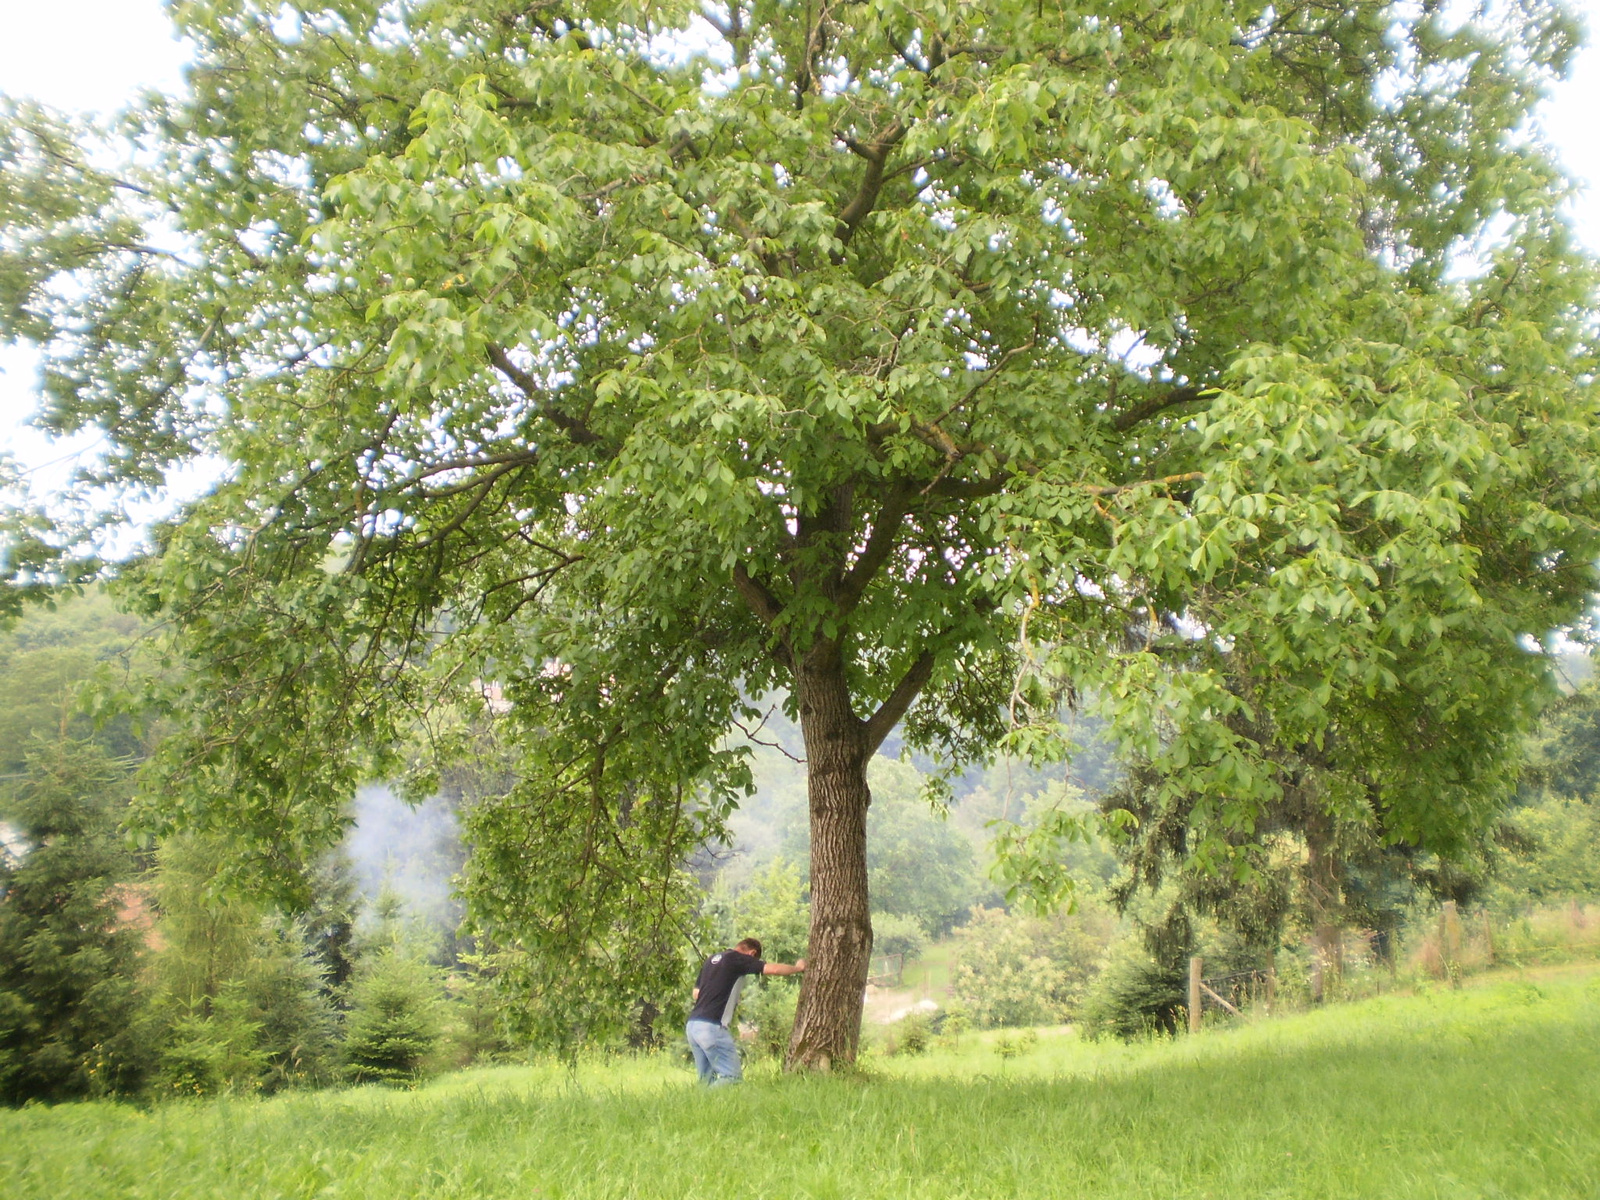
(827, 1023)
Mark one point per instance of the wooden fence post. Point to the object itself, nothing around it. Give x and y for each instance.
(1195, 964)
(1488, 936)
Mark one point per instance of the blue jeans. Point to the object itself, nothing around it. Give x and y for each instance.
(716, 1055)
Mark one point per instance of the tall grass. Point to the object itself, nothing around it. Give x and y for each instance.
(1448, 947)
(1485, 1091)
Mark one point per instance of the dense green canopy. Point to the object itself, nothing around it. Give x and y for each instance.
(1221, 364)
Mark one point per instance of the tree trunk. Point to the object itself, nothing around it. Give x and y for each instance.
(827, 1024)
(1323, 870)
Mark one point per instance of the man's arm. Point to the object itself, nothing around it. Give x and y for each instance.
(793, 968)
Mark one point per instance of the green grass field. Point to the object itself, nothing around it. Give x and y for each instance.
(1491, 1091)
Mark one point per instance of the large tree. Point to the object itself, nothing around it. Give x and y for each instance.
(938, 363)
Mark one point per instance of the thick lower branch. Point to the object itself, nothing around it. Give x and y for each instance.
(757, 595)
(767, 608)
(882, 722)
(880, 544)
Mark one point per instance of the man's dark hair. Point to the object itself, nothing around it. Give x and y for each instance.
(750, 946)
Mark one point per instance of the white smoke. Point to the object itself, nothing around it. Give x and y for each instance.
(412, 852)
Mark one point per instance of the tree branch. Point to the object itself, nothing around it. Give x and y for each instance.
(990, 375)
(757, 595)
(1111, 489)
(767, 608)
(882, 723)
(952, 452)
(1128, 418)
(931, 436)
(880, 544)
(516, 458)
(967, 489)
(976, 489)
(876, 153)
(750, 734)
(732, 29)
(772, 262)
(804, 75)
(444, 493)
(547, 26)
(529, 387)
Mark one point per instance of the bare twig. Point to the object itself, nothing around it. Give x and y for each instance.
(750, 734)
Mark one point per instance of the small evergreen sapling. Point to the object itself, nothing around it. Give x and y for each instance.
(394, 1023)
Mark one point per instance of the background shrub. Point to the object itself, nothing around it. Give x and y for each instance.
(1014, 969)
(1134, 996)
(895, 934)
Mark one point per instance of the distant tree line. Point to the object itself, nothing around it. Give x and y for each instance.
(133, 968)
(1113, 955)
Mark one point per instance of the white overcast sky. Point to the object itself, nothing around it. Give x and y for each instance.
(97, 54)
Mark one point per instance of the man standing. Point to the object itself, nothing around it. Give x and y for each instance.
(716, 995)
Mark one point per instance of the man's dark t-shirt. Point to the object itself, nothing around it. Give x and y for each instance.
(721, 980)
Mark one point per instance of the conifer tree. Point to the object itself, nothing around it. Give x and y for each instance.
(393, 1027)
(70, 947)
(243, 1002)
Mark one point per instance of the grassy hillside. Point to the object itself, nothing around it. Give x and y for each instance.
(1493, 1091)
